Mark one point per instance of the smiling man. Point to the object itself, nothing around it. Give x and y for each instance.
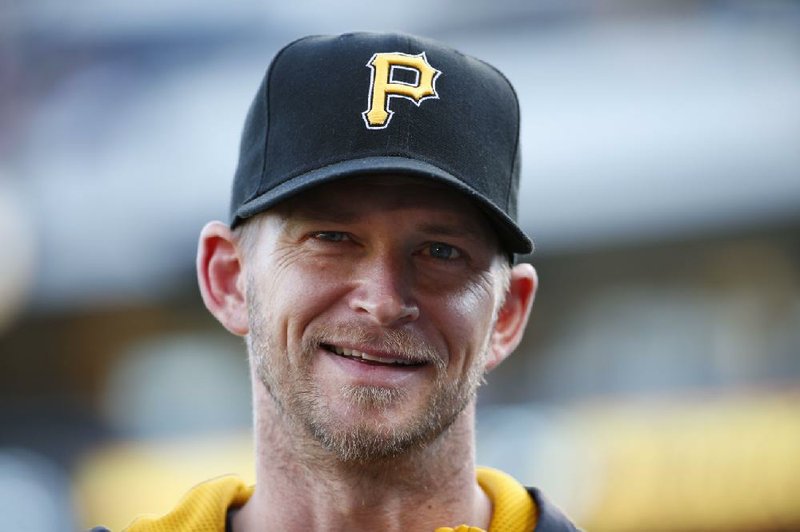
(369, 263)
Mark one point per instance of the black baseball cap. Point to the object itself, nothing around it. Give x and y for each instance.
(361, 104)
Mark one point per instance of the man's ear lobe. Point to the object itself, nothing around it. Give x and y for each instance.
(513, 315)
(221, 277)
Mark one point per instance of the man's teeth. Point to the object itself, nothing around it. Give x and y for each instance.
(352, 353)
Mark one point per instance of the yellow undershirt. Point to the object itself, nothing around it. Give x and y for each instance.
(204, 508)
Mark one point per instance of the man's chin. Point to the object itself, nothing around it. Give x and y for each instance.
(377, 428)
(365, 443)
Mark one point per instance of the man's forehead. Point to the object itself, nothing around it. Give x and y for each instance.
(355, 195)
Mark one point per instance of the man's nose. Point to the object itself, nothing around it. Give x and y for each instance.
(384, 293)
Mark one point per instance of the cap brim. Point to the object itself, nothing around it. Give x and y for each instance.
(514, 240)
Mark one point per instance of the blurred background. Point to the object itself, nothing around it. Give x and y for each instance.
(658, 385)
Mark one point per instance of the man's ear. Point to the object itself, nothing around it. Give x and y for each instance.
(513, 315)
(221, 277)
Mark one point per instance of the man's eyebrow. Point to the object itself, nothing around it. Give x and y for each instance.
(318, 212)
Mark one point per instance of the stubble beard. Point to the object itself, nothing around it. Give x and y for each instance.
(301, 402)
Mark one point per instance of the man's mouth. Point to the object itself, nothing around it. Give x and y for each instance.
(369, 358)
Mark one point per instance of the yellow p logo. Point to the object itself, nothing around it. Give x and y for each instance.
(383, 85)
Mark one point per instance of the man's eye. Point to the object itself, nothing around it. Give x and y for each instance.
(331, 236)
(438, 250)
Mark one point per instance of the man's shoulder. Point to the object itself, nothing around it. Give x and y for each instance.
(516, 507)
(549, 518)
(203, 508)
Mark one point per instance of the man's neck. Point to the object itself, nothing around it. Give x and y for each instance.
(303, 487)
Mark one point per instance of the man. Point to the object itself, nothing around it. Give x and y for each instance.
(369, 265)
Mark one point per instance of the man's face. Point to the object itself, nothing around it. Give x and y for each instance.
(371, 304)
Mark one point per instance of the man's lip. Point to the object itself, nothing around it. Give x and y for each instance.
(368, 354)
